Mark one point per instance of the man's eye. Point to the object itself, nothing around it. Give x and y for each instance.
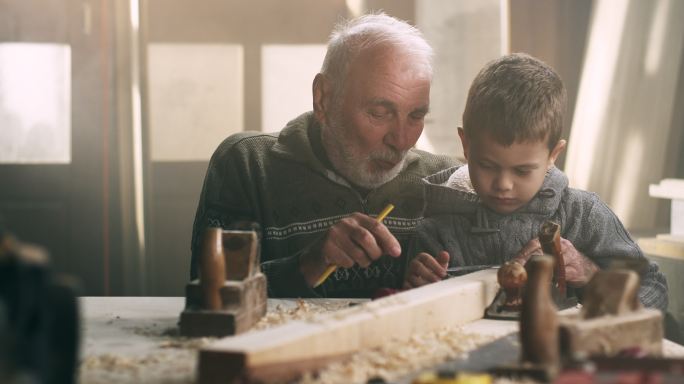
(418, 115)
(377, 114)
(522, 172)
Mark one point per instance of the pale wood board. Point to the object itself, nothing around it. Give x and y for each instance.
(285, 351)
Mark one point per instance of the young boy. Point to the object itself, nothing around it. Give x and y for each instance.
(490, 210)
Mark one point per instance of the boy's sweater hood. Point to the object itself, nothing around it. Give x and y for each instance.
(447, 194)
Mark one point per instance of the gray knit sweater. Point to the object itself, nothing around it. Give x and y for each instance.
(456, 221)
(278, 182)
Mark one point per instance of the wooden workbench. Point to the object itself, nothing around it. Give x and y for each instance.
(135, 339)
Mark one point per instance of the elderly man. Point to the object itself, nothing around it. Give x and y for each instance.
(315, 188)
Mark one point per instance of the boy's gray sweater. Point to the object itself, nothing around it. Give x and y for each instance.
(456, 222)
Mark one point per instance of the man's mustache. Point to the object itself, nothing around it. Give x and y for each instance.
(389, 155)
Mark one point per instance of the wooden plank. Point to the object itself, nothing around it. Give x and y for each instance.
(286, 351)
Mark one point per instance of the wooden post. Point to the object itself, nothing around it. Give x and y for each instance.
(549, 237)
(212, 269)
(538, 316)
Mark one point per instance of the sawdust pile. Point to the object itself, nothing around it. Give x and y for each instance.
(301, 311)
(172, 360)
(176, 366)
(397, 359)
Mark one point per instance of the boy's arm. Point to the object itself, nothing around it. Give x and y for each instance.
(578, 268)
(425, 269)
(426, 241)
(596, 232)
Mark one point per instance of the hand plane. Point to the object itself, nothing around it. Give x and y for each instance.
(230, 294)
(512, 277)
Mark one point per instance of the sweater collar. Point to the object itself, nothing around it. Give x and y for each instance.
(442, 198)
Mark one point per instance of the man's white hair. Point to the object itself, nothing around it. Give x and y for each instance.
(349, 38)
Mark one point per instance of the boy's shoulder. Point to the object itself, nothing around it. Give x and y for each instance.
(427, 164)
(581, 206)
(580, 196)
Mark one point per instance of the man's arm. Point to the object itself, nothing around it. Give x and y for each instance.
(230, 200)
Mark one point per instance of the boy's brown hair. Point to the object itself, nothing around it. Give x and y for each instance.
(516, 98)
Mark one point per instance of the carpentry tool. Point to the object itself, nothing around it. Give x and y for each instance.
(549, 239)
(332, 268)
(230, 294)
(612, 319)
(39, 320)
(506, 304)
(538, 316)
(466, 269)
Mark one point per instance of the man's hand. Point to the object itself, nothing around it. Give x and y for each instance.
(356, 239)
(425, 269)
(578, 268)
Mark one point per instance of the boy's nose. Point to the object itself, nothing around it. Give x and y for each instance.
(503, 182)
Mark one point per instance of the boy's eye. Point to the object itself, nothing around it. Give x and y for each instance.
(523, 171)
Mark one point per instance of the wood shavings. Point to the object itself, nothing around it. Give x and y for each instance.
(171, 357)
(151, 368)
(399, 358)
(186, 343)
(301, 311)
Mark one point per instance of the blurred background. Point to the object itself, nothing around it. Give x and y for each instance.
(111, 109)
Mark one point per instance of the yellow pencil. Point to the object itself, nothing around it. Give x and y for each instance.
(332, 268)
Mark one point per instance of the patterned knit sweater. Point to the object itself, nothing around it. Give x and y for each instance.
(278, 182)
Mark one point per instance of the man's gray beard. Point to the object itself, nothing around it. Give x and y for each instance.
(354, 166)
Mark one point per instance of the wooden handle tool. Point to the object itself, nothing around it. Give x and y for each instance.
(332, 268)
(212, 268)
(538, 318)
(549, 237)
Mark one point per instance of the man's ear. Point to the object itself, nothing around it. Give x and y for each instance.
(560, 146)
(322, 96)
(464, 141)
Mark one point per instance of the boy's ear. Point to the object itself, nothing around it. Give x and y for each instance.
(464, 141)
(322, 96)
(560, 146)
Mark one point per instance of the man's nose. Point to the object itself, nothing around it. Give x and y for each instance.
(401, 135)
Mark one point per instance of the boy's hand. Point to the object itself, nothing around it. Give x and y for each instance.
(578, 268)
(425, 269)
